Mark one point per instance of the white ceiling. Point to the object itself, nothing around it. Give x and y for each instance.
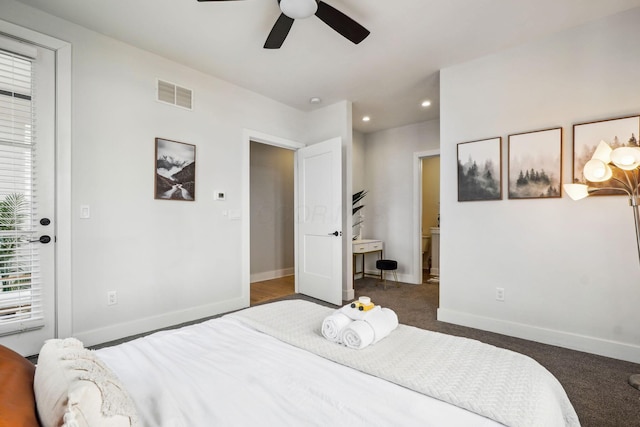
(386, 76)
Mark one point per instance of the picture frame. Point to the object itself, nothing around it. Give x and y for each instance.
(175, 170)
(617, 132)
(535, 164)
(480, 170)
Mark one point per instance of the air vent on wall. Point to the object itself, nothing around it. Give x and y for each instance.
(175, 95)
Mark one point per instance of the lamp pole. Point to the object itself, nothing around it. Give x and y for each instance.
(633, 201)
(600, 169)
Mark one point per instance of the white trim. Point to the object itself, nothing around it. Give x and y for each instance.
(270, 275)
(614, 349)
(416, 275)
(249, 135)
(64, 325)
(19, 47)
(63, 64)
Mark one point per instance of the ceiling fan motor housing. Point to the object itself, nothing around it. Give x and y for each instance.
(298, 9)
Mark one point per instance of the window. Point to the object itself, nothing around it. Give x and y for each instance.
(20, 281)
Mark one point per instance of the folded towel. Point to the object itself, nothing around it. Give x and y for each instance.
(333, 325)
(358, 334)
(356, 314)
(361, 333)
(382, 323)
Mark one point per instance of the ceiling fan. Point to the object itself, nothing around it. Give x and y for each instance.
(299, 9)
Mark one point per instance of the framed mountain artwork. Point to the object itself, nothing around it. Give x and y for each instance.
(175, 167)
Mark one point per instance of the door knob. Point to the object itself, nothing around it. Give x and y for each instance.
(43, 239)
(45, 221)
(336, 233)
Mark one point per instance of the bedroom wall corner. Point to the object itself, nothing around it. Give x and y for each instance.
(567, 268)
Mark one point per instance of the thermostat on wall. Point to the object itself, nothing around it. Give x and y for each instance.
(219, 195)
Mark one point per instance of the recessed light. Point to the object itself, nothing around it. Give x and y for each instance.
(366, 118)
(315, 100)
(426, 103)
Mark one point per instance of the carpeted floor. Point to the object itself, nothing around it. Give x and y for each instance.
(597, 386)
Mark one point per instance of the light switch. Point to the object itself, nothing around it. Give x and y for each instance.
(85, 212)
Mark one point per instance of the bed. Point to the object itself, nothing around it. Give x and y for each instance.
(270, 365)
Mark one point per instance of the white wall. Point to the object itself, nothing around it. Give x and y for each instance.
(169, 261)
(357, 177)
(389, 177)
(358, 163)
(569, 269)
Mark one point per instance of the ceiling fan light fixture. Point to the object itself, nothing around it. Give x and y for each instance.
(298, 9)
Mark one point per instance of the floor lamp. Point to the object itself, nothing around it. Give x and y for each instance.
(600, 169)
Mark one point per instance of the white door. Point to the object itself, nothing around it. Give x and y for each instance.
(27, 196)
(319, 221)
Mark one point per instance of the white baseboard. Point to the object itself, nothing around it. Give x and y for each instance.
(607, 348)
(269, 275)
(139, 326)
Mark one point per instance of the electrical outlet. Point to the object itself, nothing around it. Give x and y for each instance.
(499, 294)
(112, 297)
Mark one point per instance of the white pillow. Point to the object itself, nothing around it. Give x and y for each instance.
(74, 388)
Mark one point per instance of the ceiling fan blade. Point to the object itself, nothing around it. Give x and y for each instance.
(278, 32)
(341, 23)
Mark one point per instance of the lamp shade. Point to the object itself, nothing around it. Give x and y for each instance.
(627, 158)
(603, 152)
(597, 171)
(576, 191)
(298, 9)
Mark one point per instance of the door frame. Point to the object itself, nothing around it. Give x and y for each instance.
(248, 136)
(417, 211)
(62, 281)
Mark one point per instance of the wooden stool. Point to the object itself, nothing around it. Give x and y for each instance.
(387, 265)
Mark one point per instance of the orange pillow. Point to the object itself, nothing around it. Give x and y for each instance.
(17, 401)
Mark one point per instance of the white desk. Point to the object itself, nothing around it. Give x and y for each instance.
(363, 247)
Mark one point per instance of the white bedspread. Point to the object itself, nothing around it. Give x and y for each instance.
(505, 386)
(224, 373)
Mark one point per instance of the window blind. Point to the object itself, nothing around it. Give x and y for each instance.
(20, 278)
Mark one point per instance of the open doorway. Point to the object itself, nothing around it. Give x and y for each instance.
(272, 246)
(430, 217)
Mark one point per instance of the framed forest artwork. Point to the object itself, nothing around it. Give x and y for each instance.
(175, 170)
(480, 170)
(535, 164)
(619, 132)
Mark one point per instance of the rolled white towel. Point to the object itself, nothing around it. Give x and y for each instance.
(372, 329)
(333, 324)
(382, 323)
(356, 314)
(358, 334)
